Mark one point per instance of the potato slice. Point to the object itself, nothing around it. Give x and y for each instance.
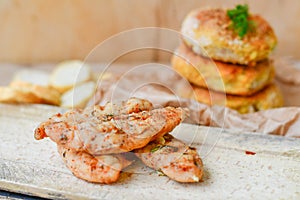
(68, 74)
(78, 96)
(36, 77)
(46, 95)
(13, 95)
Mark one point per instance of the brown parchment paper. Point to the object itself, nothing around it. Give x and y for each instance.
(160, 84)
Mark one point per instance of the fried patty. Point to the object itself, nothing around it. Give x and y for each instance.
(223, 77)
(269, 97)
(208, 32)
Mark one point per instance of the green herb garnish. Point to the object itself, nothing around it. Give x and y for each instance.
(240, 22)
(155, 148)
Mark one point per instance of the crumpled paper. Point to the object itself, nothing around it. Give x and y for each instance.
(161, 85)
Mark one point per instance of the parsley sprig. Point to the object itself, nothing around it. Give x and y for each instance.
(240, 22)
(156, 148)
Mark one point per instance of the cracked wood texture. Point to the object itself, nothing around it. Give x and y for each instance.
(35, 168)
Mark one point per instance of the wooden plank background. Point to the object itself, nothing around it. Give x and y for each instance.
(34, 31)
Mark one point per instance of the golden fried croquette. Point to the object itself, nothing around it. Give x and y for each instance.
(269, 97)
(209, 33)
(220, 76)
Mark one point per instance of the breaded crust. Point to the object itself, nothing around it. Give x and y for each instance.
(208, 33)
(220, 76)
(269, 97)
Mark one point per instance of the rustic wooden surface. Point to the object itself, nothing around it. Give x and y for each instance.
(34, 167)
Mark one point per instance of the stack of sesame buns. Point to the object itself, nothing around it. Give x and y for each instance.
(225, 52)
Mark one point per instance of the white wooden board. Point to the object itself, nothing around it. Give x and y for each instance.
(35, 168)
